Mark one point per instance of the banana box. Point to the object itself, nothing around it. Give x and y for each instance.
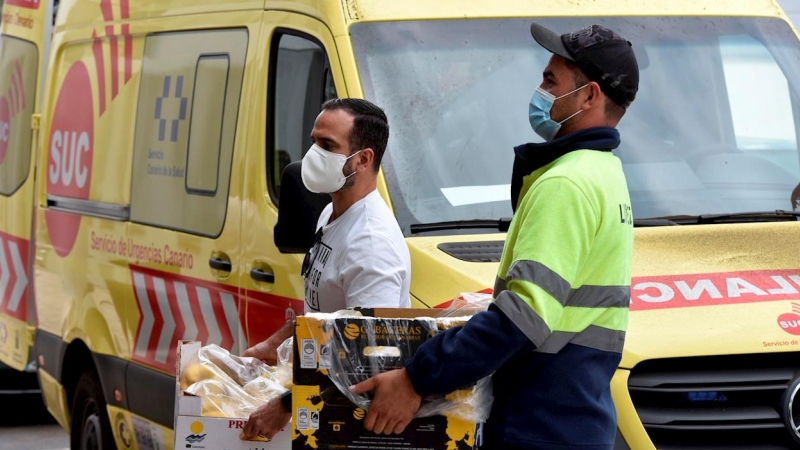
(354, 345)
(194, 430)
(324, 419)
(345, 348)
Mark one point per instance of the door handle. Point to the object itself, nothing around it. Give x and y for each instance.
(260, 275)
(220, 264)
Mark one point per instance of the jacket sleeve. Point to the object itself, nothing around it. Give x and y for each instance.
(549, 242)
(463, 355)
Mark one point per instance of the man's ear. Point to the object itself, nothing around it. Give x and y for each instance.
(594, 97)
(366, 158)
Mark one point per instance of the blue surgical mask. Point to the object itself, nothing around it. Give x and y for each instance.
(539, 113)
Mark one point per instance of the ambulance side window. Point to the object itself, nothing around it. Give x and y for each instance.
(18, 65)
(185, 127)
(300, 82)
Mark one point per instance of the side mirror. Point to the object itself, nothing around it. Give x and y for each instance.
(298, 212)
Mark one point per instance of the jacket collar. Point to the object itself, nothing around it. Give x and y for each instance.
(532, 156)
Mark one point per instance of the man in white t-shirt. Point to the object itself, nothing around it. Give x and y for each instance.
(359, 257)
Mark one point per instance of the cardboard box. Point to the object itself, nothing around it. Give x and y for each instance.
(401, 329)
(193, 431)
(329, 421)
(357, 348)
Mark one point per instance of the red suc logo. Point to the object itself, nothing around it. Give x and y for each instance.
(69, 162)
(790, 322)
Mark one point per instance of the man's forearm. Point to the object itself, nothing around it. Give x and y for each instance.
(461, 356)
(284, 333)
(267, 350)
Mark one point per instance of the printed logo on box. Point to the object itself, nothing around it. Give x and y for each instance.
(325, 356)
(196, 428)
(302, 418)
(314, 420)
(352, 331)
(308, 354)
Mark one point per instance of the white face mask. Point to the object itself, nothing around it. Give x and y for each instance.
(322, 171)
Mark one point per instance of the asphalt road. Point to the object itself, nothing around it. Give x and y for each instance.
(25, 424)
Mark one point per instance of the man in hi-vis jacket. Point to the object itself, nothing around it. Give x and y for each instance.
(554, 334)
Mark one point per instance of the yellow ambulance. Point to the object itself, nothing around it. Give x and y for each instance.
(140, 183)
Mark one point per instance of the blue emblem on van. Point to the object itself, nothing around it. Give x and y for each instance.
(170, 108)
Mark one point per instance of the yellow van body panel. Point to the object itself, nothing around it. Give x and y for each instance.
(79, 13)
(55, 398)
(25, 20)
(627, 419)
(377, 10)
(23, 30)
(128, 427)
(92, 302)
(438, 277)
(738, 263)
(270, 304)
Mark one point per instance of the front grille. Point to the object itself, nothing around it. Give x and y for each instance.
(718, 402)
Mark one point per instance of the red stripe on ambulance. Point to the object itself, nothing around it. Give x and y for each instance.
(174, 307)
(106, 7)
(726, 288)
(30, 4)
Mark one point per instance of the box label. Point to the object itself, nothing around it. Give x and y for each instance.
(325, 356)
(308, 354)
(218, 433)
(302, 418)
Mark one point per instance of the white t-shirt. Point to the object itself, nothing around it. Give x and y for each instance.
(361, 260)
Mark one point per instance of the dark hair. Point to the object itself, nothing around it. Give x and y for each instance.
(370, 126)
(613, 110)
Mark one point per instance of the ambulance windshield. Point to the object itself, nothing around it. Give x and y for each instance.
(713, 129)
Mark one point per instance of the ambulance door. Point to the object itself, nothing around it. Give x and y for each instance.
(183, 242)
(25, 24)
(303, 72)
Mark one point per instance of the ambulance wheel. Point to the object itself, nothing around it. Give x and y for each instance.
(91, 429)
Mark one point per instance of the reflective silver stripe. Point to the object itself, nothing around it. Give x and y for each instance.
(540, 275)
(523, 316)
(595, 337)
(499, 286)
(600, 296)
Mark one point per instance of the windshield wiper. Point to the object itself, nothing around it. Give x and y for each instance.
(503, 224)
(655, 222)
(499, 225)
(778, 215)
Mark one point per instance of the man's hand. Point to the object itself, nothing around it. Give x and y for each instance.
(267, 421)
(394, 404)
(266, 351)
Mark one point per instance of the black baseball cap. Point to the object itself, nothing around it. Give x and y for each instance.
(603, 55)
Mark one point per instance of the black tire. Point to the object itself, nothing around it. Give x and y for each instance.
(91, 428)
